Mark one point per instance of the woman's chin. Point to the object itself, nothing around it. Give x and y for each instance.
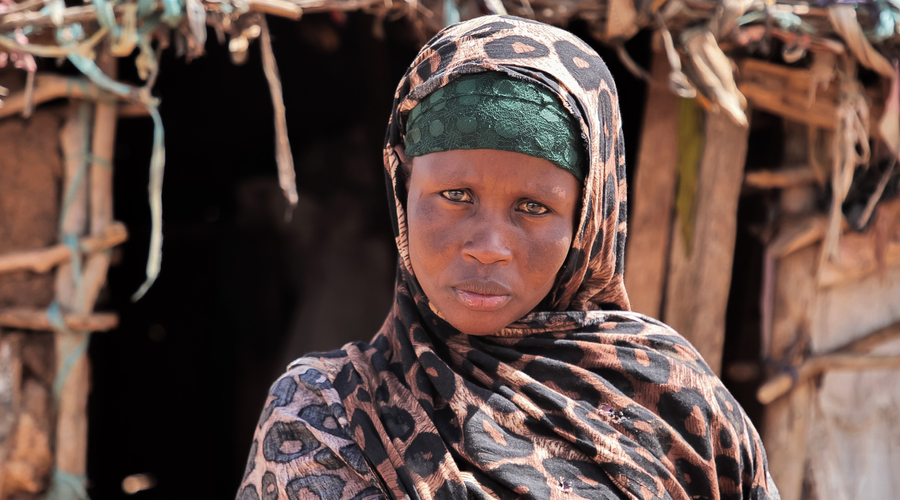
(479, 323)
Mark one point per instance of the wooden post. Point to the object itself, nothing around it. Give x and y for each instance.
(649, 229)
(71, 426)
(787, 419)
(71, 439)
(787, 318)
(102, 150)
(700, 273)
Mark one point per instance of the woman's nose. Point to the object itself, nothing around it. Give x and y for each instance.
(488, 242)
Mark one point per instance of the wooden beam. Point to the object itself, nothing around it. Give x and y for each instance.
(71, 418)
(781, 384)
(133, 110)
(863, 254)
(41, 261)
(871, 341)
(794, 234)
(78, 298)
(851, 356)
(47, 87)
(786, 419)
(284, 8)
(781, 178)
(649, 229)
(785, 92)
(700, 270)
(37, 319)
(281, 8)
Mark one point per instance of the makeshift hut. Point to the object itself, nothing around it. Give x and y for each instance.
(765, 223)
(768, 232)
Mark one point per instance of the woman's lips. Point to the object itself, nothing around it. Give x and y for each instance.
(481, 295)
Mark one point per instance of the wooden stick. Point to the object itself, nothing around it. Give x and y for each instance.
(790, 302)
(871, 341)
(71, 391)
(133, 110)
(788, 177)
(654, 192)
(74, 141)
(37, 319)
(283, 156)
(879, 190)
(796, 234)
(782, 383)
(71, 425)
(27, 5)
(48, 87)
(699, 274)
(283, 8)
(862, 254)
(41, 261)
(38, 18)
(785, 92)
(851, 356)
(786, 434)
(102, 150)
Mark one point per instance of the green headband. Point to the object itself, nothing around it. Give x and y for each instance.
(491, 110)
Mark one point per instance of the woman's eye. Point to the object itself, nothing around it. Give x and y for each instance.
(533, 208)
(456, 195)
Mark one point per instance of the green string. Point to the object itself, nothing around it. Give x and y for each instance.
(65, 486)
(84, 116)
(58, 322)
(71, 241)
(158, 157)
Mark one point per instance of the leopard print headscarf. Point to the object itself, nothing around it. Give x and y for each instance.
(583, 399)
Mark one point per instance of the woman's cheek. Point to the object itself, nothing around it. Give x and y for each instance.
(432, 231)
(549, 251)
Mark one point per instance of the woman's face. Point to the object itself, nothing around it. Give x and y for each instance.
(488, 232)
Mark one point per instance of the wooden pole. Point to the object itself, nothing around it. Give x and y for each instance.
(41, 261)
(787, 419)
(787, 315)
(71, 439)
(48, 87)
(38, 319)
(850, 357)
(102, 150)
(649, 230)
(71, 426)
(699, 275)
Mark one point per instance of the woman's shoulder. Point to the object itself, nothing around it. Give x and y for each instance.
(302, 440)
(306, 384)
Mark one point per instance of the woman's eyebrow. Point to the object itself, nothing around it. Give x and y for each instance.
(554, 191)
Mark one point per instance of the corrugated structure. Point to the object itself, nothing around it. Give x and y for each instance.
(824, 74)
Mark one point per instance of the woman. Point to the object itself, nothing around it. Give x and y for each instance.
(510, 365)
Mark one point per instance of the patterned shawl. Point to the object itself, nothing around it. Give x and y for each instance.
(582, 399)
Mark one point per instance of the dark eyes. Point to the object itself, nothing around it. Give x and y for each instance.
(526, 206)
(533, 208)
(457, 195)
